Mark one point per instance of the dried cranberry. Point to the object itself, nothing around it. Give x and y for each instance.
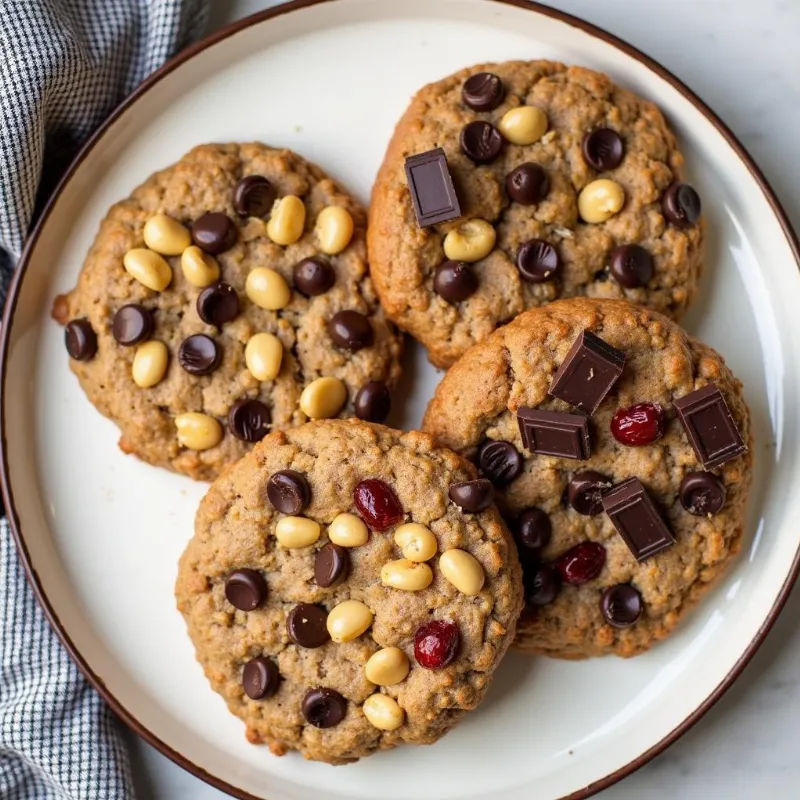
(581, 563)
(436, 643)
(639, 424)
(541, 585)
(378, 504)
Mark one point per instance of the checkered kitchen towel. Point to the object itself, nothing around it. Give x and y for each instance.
(64, 64)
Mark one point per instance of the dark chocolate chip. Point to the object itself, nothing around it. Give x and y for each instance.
(621, 605)
(331, 565)
(603, 149)
(541, 585)
(245, 589)
(472, 496)
(481, 141)
(433, 193)
(681, 205)
(454, 281)
(218, 304)
(702, 493)
(80, 339)
(288, 491)
(373, 402)
(260, 678)
(500, 462)
(534, 529)
(253, 196)
(483, 91)
(554, 433)
(199, 354)
(132, 325)
(324, 708)
(351, 330)
(538, 261)
(248, 420)
(313, 276)
(585, 492)
(307, 626)
(527, 184)
(631, 266)
(214, 232)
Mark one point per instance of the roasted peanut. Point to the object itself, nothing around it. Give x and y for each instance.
(166, 235)
(462, 570)
(287, 221)
(348, 620)
(415, 541)
(147, 267)
(296, 532)
(410, 576)
(198, 431)
(387, 666)
(470, 241)
(149, 363)
(348, 530)
(263, 355)
(323, 398)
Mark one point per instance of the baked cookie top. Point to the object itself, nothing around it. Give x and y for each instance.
(227, 296)
(620, 448)
(563, 184)
(338, 598)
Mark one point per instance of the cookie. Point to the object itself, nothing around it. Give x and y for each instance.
(227, 296)
(507, 186)
(620, 448)
(349, 588)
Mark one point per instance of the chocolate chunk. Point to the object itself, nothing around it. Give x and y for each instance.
(331, 565)
(254, 196)
(541, 585)
(481, 141)
(288, 491)
(538, 261)
(324, 708)
(681, 205)
(132, 325)
(472, 496)
(351, 330)
(313, 276)
(585, 492)
(500, 462)
(248, 420)
(80, 339)
(588, 373)
(621, 605)
(527, 184)
(603, 149)
(708, 423)
(218, 304)
(534, 529)
(307, 626)
(260, 678)
(454, 281)
(702, 493)
(554, 433)
(431, 186)
(373, 402)
(214, 232)
(483, 91)
(637, 520)
(199, 354)
(245, 589)
(631, 266)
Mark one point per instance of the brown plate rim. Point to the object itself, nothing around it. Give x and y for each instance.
(13, 294)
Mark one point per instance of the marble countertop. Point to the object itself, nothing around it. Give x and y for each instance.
(741, 57)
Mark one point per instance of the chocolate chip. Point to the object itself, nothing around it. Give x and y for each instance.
(603, 149)
(313, 276)
(534, 529)
(248, 420)
(307, 625)
(527, 184)
(500, 462)
(80, 339)
(351, 330)
(483, 91)
(331, 565)
(454, 281)
(199, 354)
(253, 196)
(621, 605)
(538, 261)
(214, 232)
(681, 205)
(132, 325)
(288, 491)
(245, 589)
(631, 265)
(541, 585)
(218, 304)
(585, 492)
(481, 141)
(324, 708)
(260, 678)
(702, 493)
(472, 496)
(373, 402)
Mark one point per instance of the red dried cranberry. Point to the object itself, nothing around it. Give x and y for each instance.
(378, 504)
(436, 643)
(581, 563)
(638, 425)
(541, 585)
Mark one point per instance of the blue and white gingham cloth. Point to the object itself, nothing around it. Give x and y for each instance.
(64, 65)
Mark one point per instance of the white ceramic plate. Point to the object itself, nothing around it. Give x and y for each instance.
(101, 532)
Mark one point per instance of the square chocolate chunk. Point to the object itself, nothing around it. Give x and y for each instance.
(708, 423)
(431, 186)
(637, 520)
(588, 373)
(554, 433)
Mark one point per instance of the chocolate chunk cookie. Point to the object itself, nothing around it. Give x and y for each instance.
(507, 186)
(349, 588)
(620, 450)
(227, 296)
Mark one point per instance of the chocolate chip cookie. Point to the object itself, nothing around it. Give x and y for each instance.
(227, 296)
(620, 448)
(349, 588)
(507, 186)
